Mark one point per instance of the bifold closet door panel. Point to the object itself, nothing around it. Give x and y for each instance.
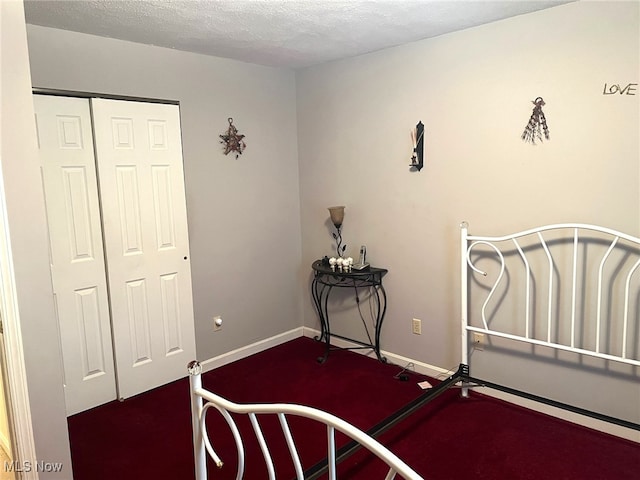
(141, 183)
(76, 250)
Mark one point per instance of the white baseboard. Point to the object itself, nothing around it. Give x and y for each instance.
(419, 367)
(240, 353)
(594, 424)
(425, 369)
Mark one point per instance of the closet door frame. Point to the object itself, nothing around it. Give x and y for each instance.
(89, 95)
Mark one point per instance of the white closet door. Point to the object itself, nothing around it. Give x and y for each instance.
(141, 185)
(77, 258)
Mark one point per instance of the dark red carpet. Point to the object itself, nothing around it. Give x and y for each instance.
(149, 436)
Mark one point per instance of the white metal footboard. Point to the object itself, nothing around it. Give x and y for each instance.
(597, 298)
(202, 400)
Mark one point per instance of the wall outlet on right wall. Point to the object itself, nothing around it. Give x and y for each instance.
(416, 326)
(478, 340)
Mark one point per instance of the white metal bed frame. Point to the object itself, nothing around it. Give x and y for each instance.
(202, 400)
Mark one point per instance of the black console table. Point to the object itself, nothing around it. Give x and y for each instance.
(325, 279)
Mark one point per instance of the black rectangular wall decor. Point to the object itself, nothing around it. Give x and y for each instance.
(417, 159)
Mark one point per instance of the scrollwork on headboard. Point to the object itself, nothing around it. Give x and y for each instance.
(483, 273)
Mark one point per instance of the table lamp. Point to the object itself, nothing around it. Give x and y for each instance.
(337, 216)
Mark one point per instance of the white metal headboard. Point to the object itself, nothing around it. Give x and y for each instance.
(615, 279)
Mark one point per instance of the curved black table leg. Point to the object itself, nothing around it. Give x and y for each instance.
(316, 291)
(320, 293)
(327, 329)
(380, 319)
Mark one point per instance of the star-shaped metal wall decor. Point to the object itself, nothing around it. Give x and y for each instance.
(233, 142)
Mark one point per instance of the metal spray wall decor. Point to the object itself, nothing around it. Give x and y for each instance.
(537, 125)
(232, 141)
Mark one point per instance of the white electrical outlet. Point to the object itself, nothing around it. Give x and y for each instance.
(217, 323)
(416, 326)
(478, 340)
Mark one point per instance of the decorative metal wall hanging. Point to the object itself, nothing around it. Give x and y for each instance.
(537, 125)
(417, 136)
(232, 141)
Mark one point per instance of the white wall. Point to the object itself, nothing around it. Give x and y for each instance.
(25, 209)
(244, 221)
(473, 91)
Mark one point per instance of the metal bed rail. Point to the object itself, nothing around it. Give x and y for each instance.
(427, 396)
(202, 400)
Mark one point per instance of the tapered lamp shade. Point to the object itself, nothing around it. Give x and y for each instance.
(337, 215)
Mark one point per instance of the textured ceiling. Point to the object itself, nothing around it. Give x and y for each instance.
(283, 33)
